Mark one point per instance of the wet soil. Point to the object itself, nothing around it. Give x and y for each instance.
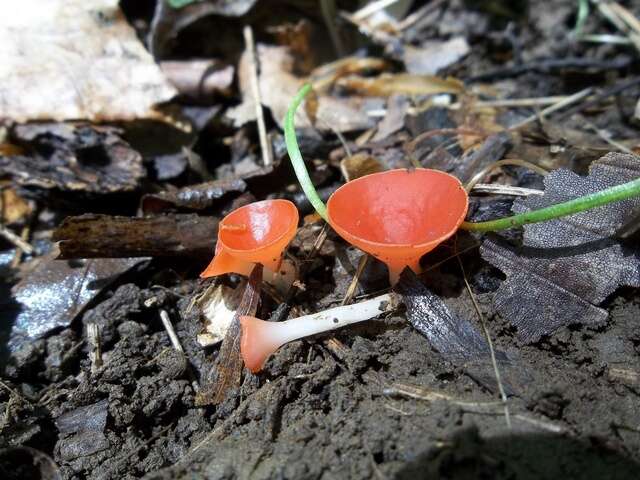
(574, 412)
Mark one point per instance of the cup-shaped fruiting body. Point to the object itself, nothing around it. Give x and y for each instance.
(260, 339)
(399, 215)
(256, 233)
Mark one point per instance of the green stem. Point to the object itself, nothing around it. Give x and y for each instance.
(580, 204)
(296, 157)
(598, 199)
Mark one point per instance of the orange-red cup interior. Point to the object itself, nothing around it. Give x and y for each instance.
(256, 233)
(399, 215)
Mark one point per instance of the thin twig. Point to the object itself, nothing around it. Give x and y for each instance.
(166, 322)
(351, 291)
(503, 394)
(328, 9)
(16, 240)
(607, 138)
(371, 8)
(505, 190)
(576, 97)
(267, 158)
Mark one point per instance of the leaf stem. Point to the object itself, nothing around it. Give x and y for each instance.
(580, 204)
(296, 157)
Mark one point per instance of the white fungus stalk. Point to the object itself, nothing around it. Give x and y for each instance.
(260, 338)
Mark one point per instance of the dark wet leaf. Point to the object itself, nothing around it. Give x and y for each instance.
(74, 158)
(567, 267)
(83, 431)
(55, 291)
(91, 417)
(105, 236)
(226, 374)
(194, 197)
(454, 337)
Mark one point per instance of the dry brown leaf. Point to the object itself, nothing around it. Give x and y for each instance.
(402, 83)
(278, 86)
(75, 59)
(13, 208)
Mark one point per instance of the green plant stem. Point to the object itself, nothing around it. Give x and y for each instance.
(598, 199)
(580, 204)
(296, 157)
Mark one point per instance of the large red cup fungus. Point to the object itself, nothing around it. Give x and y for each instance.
(256, 233)
(399, 215)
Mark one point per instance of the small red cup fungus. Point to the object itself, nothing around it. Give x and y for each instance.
(256, 233)
(399, 215)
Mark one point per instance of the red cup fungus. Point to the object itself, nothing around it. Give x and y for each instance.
(256, 233)
(399, 215)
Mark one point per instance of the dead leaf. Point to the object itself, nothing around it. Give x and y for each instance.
(82, 430)
(454, 337)
(199, 79)
(218, 305)
(278, 85)
(227, 372)
(55, 291)
(359, 165)
(74, 158)
(401, 83)
(193, 197)
(13, 208)
(75, 59)
(570, 265)
(433, 56)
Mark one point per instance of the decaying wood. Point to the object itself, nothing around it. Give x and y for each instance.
(105, 236)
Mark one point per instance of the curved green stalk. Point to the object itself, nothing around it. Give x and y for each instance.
(598, 199)
(580, 204)
(296, 157)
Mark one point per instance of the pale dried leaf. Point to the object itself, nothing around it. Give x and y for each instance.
(75, 59)
(218, 308)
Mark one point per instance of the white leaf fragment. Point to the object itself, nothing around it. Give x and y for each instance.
(75, 59)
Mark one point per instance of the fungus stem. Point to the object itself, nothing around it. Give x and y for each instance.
(296, 157)
(580, 204)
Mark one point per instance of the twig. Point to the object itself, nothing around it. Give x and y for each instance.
(514, 162)
(419, 393)
(16, 240)
(371, 8)
(95, 355)
(614, 90)
(503, 394)
(607, 138)
(505, 190)
(510, 102)
(255, 90)
(166, 322)
(576, 97)
(328, 8)
(547, 66)
(17, 258)
(362, 263)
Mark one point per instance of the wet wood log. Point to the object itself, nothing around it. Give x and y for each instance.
(105, 236)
